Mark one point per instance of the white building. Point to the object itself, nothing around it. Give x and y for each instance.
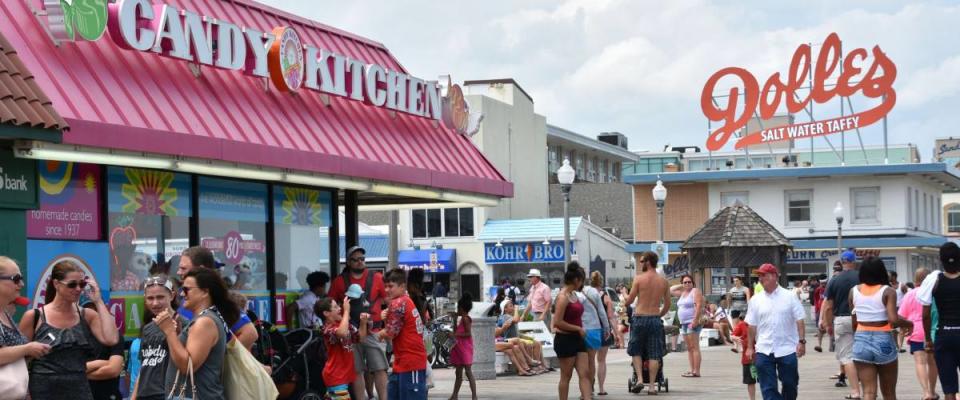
(514, 138)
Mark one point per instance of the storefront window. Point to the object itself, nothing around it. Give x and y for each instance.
(299, 213)
(233, 217)
(149, 223)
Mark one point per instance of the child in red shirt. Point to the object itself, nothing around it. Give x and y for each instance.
(740, 333)
(339, 337)
(404, 327)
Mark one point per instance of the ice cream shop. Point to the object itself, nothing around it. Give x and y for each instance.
(131, 133)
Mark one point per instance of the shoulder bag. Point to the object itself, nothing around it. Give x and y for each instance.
(244, 377)
(14, 377)
(179, 393)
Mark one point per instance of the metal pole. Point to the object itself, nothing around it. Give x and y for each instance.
(839, 237)
(566, 224)
(660, 219)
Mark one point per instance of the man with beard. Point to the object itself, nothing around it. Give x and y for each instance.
(371, 356)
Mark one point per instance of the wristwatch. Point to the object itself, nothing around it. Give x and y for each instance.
(803, 341)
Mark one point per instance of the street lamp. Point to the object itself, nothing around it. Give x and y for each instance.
(566, 175)
(660, 197)
(838, 214)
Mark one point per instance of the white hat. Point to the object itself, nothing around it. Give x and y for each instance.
(534, 272)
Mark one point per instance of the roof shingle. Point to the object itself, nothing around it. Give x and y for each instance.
(22, 103)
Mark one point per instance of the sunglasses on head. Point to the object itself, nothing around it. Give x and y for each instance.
(74, 284)
(157, 281)
(16, 279)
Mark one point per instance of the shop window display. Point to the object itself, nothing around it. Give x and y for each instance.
(233, 216)
(299, 215)
(149, 219)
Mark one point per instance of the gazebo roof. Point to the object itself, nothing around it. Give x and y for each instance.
(736, 226)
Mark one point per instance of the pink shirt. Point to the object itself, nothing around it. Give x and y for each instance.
(539, 297)
(911, 309)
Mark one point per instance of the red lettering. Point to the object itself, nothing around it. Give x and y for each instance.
(875, 83)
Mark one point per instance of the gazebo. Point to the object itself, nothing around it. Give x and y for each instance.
(736, 237)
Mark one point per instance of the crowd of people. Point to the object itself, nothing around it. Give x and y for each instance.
(192, 317)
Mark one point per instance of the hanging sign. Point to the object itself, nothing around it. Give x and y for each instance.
(874, 80)
(277, 54)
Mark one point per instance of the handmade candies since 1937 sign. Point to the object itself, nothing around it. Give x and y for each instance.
(873, 78)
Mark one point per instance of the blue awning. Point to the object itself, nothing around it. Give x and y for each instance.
(446, 260)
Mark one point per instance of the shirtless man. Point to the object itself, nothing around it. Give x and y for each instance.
(652, 293)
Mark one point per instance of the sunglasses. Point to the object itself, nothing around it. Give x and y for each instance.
(16, 279)
(186, 290)
(358, 259)
(686, 282)
(74, 284)
(157, 281)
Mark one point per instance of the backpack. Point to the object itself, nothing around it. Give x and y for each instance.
(361, 305)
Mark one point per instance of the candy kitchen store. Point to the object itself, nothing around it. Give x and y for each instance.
(226, 124)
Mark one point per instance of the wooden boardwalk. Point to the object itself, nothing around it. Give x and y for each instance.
(721, 379)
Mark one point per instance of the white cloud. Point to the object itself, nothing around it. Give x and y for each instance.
(638, 67)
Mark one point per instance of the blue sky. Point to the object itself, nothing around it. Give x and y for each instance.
(638, 67)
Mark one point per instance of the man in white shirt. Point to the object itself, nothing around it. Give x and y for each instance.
(775, 317)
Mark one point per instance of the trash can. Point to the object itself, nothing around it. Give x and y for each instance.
(484, 353)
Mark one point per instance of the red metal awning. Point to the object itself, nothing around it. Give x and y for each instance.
(129, 100)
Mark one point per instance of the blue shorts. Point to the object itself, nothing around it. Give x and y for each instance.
(873, 347)
(339, 392)
(594, 339)
(916, 346)
(407, 385)
(686, 330)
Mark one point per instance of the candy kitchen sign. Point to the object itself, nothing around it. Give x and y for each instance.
(277, 55)
(874, 80)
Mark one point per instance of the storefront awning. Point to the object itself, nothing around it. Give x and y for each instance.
(520, 230)
(137, 101)
(432, 261)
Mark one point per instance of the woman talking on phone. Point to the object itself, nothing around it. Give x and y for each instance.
(70, 331)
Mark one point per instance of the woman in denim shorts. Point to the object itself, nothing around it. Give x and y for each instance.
(874, 305)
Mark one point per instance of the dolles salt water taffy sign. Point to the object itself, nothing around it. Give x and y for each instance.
(874, 80)
(276, 54)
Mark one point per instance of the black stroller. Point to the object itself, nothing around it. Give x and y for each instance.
(299, 373)
(663, 384)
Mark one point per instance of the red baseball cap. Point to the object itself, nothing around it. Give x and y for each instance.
(767, 269)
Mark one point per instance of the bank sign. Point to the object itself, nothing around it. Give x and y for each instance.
(277, 55)
(874, 78)
(525, 253)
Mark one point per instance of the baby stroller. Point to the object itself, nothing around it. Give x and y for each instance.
(299, 373)
(663, 384)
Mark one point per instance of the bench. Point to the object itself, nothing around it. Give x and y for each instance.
(538, 331)
(706, 334)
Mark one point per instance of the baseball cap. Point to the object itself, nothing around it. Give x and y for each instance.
(354, 249)
(949, 254)
(354, 291)
(848, 256)
(767, 269)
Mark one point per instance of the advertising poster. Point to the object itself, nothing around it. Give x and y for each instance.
(69, 202)
(259, 302)
(92, 258)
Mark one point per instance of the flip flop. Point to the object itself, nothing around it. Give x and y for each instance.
(690, 375)
(851, 397)
(602, 394)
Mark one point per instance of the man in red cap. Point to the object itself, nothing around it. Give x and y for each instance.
(776, 338)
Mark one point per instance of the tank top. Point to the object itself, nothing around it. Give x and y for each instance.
(207, 376)
(738, 298)
(686, 308)
(70, 348)
(946, 294)
(869, 308)
(574, 313)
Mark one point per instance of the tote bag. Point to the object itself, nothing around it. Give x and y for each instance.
(181, 392)
(14, 378)
(244, 378)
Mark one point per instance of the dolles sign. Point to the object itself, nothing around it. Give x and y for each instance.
(874, 81)
(277, 55)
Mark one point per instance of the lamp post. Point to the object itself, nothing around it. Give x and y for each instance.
(566, 175)
(838, 214)
(660, 197)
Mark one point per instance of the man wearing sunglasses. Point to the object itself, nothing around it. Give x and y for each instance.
(372, 355)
